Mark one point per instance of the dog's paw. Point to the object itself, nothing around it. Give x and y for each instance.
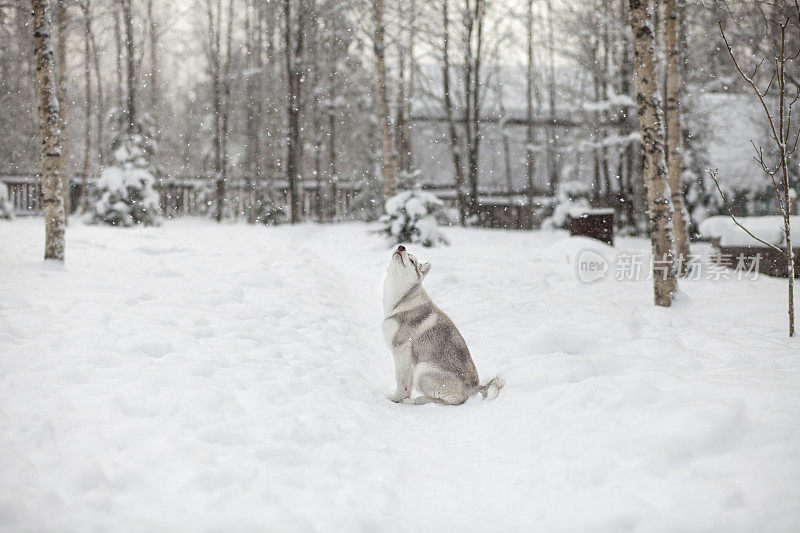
(396, 398)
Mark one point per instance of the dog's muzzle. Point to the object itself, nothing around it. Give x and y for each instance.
(399, 252)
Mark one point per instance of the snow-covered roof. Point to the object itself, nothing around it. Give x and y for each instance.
(504, 88)
(729, 122)
(769, 229)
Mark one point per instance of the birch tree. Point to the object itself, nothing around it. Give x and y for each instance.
(88, 104)
(61, 95)
(52, 179)
(388, 153)
(672, 88)
(654, 166)
(776, 101)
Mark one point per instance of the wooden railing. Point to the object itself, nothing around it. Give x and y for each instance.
(195, 196)
(182, 196)
(25, 193)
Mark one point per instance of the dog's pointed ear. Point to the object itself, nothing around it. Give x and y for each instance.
(424, 268)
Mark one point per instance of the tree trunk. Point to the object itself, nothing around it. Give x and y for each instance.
(596, 119)
(473, 59)
(154, 88)
(101, 106)
(131, 70)
(333, 205)
(455, 141)
(625, 165)
(294, 48)
(252, 105)
(226, 103)
(606, 72)
(505, 141)
(672, 87)
(530, 156)
(52, 184)
(400, 111)
(87, 125)
(388, 153)
(331, 209)
(653, 160)
(120, 69)
(316, 88)
(552, 153)
(61, 95)
(214, 52)
(405, 90)
(783, 140)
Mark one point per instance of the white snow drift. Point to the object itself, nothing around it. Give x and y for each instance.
(201, 377)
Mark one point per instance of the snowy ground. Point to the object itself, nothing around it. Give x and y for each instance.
(198, 377)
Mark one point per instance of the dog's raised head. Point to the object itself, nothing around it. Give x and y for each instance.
(405, 270)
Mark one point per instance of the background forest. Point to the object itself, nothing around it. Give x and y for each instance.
(530, 101)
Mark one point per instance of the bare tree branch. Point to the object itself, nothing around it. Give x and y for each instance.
(751, 83)
(713, 175)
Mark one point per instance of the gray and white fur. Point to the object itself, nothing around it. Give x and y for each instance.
(430, 354)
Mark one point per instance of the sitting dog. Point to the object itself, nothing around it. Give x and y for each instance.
(429, 352)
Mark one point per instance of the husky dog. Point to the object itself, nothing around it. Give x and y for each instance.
(429, 352)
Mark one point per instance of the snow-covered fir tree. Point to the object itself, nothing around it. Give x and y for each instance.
(268, 211)
(411, 214)
(124, 194)
(572, 196)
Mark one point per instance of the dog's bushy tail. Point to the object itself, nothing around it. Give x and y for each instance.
(492, 389)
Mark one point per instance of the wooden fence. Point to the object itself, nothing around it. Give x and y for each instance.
(195, 196)
(25, 193)
(184, 196)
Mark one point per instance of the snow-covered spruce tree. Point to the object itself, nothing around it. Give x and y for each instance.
(269, 212)
(124, 194)
(6, 209)
(572, 196)
(411, 218)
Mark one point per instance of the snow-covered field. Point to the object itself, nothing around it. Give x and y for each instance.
(201, 377)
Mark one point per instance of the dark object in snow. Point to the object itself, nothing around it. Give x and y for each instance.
(763, 259)
(596, 223)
